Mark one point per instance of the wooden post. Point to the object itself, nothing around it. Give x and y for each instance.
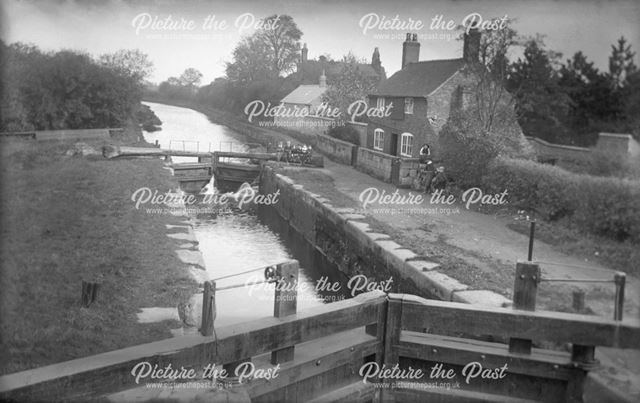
(208, 308)
(532, 231)
(620, 280)
(285, 303)
(393, 328)
(378, 330)
(525, 289)
(583, 358)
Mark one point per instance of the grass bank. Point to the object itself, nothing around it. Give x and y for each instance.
(69, 218)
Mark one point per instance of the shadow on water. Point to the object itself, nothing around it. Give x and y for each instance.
(317, 267)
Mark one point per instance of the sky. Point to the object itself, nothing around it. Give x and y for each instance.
(174, 36)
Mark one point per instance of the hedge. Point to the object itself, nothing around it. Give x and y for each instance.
(603, 206)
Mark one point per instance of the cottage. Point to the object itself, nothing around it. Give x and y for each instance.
(422, 94)
(306, 97)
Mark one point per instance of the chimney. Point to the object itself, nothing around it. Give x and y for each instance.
(323, 80)
(471, 47)
(410, 50)
(375, 60)
(305, 51)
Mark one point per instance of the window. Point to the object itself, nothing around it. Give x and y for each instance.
(378, 139)
(408, 106)
(406, 145)
(380, 103)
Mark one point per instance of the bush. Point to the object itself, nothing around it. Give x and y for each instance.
(467, 150)
(345, 133)
(603, 163)
(602, 206)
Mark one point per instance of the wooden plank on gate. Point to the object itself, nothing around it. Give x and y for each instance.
(457, 351)
(111, 371)
(316, 357)
(452, 317)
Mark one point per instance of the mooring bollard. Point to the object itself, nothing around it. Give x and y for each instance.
(525, 289)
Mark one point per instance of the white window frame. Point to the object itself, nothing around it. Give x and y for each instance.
(380, 103)
(408, 106)
(406, 145)
(378, 139)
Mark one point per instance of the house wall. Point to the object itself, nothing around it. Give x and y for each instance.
(361, 128)
(416, 124)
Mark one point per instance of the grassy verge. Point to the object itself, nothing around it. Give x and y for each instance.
(68, 218)
(622, 256)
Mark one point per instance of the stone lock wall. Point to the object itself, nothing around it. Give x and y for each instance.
(346, 240)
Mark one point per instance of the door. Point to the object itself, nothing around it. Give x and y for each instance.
(393, 149)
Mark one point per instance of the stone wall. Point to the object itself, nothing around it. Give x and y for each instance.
(616, 145)
(546, 150)
(345, 240)
(375, 163)
(336, 150)
(407, 171)
(310, 125)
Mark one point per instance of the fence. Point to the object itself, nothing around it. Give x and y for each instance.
(322, 351)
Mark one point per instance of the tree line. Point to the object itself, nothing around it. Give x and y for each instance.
(69, 89)
(560, 101)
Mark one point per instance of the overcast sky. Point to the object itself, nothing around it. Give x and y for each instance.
(329, 26)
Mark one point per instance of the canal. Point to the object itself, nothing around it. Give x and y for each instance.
(234, 241)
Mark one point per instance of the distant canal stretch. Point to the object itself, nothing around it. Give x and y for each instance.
(233, 242)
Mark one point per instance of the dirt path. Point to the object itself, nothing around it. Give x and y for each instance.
(486, 242)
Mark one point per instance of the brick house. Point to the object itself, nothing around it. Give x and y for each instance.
(422, 94)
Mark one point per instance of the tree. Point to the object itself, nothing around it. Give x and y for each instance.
(251, 62)
(63, 90)
(281, 36)
(590, 91)
(621, 64)
(190, 77)
(268, 53)
(349, 86)
(490, 75)
(541, 103)
(130, 62)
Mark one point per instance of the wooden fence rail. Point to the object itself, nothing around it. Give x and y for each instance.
(320, 352)
(329, 333)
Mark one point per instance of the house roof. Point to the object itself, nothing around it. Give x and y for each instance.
(310, 70)
(419, 79)
(304, 94)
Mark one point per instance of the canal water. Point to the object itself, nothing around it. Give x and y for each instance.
(233, 242)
